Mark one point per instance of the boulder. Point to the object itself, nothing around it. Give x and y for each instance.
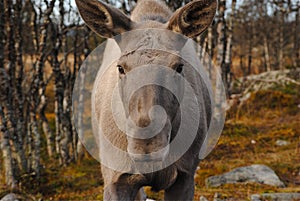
(243, 87)
(250, 174)
(202, 198)
(282, 143)
(11, 197)
(276, 196)
(217, 197)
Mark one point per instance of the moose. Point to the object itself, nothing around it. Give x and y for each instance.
(154, 37)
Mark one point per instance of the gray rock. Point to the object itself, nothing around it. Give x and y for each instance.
(276, 196)
(282, 143)
(255, 197)
(10, 197)
(202, 198)
(217, 197)
(251, 174)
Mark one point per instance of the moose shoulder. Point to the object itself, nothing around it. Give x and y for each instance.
(152, 43)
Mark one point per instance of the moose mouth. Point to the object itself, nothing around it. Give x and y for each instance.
(157, 156)
(153, 149)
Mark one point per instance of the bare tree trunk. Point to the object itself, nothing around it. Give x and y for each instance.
(250, 47)
(23, 101)
(2, 34)
(229, 46)
(200, 47)
(38, 85)
(49, 136)
(45, 126)
(242, 66)
(296, 37)
(210, 48)
(34, 28)
(59, 93)
(80, 114)
(5, 134)
(265, 35)
(221, 42)
(36, 145)
(10, 179)
(30, 148)
(67, 131)
(249, 58)
(230, 34)
(59, 44)
(79, 152)
(221, 33)
(81, 78)
(266, 54)
(14, 120)
(280, 51)
(59, 87)
(21, 127)
(210, 41)
(58, 129)
(66, 142)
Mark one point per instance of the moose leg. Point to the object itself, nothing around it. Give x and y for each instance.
(182, 189)
(120, 192)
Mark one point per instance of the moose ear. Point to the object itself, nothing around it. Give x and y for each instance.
(194, 18)
(102, 18)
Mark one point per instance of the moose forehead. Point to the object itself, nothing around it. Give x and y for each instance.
(149, 56)
(150, 46)
(150, 38)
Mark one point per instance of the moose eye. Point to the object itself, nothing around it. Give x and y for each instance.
(121, 69)
(179, 68)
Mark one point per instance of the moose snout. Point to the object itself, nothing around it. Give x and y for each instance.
(148, 126)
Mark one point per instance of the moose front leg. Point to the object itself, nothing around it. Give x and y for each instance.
(123, 187)
(120, 192)
(182, 189)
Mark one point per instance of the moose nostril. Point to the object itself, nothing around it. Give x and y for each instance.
(143, 122)
(139, 106)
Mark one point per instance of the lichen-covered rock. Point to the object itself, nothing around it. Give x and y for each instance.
(202, 198)
(276, 196)
(282, 143)
(243, 88)
(11, 197)
(251, 174)
(266, 80)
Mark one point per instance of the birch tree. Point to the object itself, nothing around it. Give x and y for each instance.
(221, 43)
(296, 8)
(228, 53)
(23, 95)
